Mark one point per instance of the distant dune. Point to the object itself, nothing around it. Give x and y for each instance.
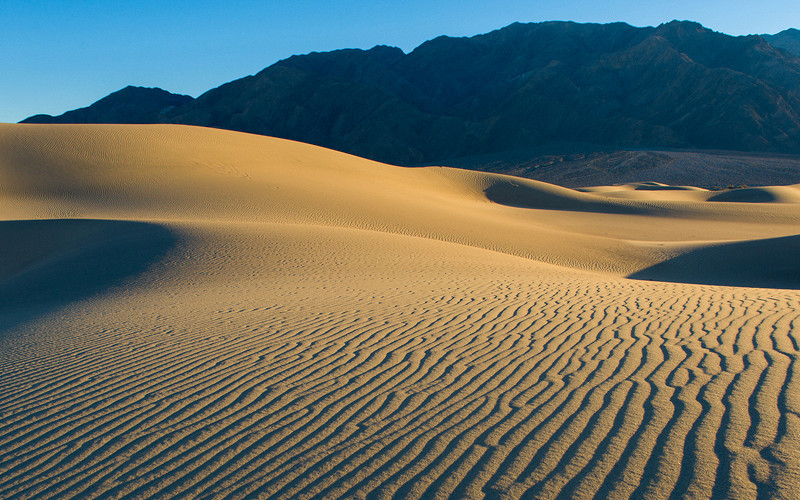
(708, 169)
(190, 312)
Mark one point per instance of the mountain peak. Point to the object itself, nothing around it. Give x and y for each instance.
(684, 29)
(128, 105)
(677, 23)
(788, 40)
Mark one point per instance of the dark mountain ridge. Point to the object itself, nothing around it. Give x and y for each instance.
(788, 40)
(678, 85)
(129, 105)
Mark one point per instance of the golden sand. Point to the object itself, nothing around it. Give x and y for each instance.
(192, 312)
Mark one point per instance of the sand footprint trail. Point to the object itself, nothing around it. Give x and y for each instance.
(293, 340)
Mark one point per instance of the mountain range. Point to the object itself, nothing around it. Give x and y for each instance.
(553, 86)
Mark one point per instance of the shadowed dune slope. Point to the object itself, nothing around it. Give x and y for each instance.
(190, 312)
(46, 264)
(773, 194)
(46, 260)
(770, 263)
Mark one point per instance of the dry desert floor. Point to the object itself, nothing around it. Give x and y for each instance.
(188, 312)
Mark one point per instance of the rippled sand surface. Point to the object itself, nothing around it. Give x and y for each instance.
(187, 312)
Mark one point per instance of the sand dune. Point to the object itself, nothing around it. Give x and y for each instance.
(194, 312)
(658, 191)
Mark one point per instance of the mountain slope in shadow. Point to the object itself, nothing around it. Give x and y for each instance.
(129, 105)
(788, 40)
(678, 85)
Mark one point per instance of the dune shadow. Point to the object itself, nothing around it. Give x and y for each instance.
(47, 264)
(745, 195)
(521, 195)
(768, 263)
(652, 186)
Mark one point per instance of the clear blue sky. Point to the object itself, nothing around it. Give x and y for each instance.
(57, 55)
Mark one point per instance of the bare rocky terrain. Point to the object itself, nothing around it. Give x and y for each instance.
(581, 100)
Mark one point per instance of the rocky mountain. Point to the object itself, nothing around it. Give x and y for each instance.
(129, 105)
(788, 40)
(557, 84)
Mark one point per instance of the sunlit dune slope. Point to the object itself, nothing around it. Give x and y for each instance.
(162, 173)
(194, 313)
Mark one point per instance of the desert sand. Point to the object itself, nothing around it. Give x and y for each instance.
(188, 312)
